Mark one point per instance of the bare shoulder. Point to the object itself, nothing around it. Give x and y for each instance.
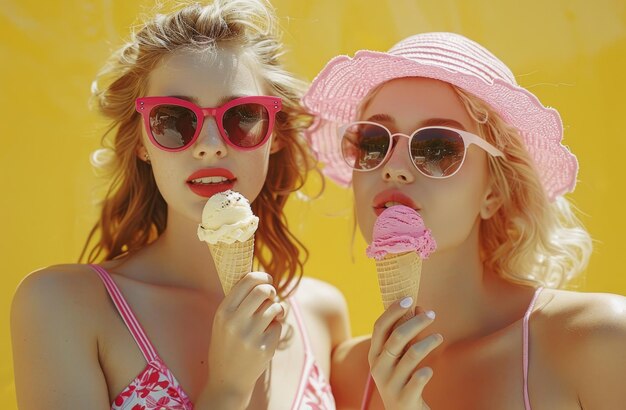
(54, 331)
(60, 280)
(325, 302)
(59, 292)
(350, 371)
(588, 316)
(585, 335)
(321, 297)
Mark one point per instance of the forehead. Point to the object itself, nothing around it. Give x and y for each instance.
(409, 101)
(207, 76)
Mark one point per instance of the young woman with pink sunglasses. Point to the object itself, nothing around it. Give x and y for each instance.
(440, 125)
(199, 103)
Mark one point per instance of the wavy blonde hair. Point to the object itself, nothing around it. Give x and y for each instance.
(133, 211)
(529, 240)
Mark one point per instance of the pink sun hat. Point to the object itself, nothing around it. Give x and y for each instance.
(338, 89)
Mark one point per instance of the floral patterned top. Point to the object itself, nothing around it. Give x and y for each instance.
(156, 388)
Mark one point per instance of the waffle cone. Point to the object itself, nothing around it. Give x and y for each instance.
(399, 277)
(232, 261)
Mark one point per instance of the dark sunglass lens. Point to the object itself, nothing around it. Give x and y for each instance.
(364, 146)
(173, 126)
(437, 152)
(246, 125)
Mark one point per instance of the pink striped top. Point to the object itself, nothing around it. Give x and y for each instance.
(369, 385)
(157, 388)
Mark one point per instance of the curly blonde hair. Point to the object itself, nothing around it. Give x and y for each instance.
(133, 211)
(530, 240)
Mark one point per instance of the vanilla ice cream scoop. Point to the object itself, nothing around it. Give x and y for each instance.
(227, 218)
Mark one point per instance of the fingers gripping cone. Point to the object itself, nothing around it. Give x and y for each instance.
(228, 227)
(400, 242)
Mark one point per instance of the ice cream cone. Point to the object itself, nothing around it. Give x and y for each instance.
(399, 277)
(232, 261)
(400, 241)
(228, 227)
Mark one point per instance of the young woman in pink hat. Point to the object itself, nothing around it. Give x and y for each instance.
(439, 124)
(199, 103)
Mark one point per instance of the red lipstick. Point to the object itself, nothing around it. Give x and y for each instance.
(216, 180)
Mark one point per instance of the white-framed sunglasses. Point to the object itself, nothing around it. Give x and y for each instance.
(436, 151)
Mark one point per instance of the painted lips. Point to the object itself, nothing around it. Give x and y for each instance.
(209, 181)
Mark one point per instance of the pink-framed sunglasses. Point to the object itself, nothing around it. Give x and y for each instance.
(436, 151)
(173, 124)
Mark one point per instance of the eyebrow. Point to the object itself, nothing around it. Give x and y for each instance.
(381, 118)
(194, 100)
(446, 122)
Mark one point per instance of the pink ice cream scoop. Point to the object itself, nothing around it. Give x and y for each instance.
(400, 229)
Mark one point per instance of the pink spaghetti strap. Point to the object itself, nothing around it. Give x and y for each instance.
(127, 314)
(308, 355)
(301, 327)
(525, 335)
(367, 394)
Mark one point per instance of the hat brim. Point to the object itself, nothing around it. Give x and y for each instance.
(336, 92)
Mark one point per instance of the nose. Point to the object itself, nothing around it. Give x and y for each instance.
(210, 143)
(398, 167)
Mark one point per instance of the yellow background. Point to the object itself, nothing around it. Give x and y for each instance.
(571, 54)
